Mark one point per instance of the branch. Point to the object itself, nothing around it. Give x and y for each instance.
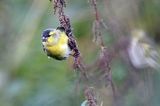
(106, 55)
(64, 20)
(96, 24)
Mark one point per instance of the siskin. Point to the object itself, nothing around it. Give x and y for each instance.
(55, 43)
(142, 50)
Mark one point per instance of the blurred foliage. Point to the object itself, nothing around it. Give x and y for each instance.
(39, 81)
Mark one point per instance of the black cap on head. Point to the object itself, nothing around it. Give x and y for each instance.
(45, 34)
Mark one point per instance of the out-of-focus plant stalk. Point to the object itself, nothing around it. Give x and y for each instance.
(26, 32)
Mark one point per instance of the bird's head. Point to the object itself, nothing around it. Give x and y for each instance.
(138, 34)
(50, 36)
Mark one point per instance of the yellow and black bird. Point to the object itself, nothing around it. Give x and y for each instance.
(55, 43)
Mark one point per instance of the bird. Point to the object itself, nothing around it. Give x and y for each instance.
(55, 43)
(142, 50)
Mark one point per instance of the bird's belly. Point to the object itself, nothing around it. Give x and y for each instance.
(59, 50)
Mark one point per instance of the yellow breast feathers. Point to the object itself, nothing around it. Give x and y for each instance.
(57, 45)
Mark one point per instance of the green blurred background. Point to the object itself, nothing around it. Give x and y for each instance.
(29, 78)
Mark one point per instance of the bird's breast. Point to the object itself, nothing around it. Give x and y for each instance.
(59, 50)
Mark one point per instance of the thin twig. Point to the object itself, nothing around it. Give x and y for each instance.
(105, 56)
(90, 96)
(97, 23)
